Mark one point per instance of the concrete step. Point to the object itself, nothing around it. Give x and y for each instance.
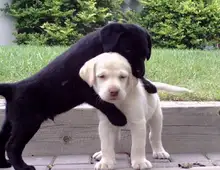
(209, 161)
(189, 127)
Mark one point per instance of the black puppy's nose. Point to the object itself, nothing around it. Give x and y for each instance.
(113, 91)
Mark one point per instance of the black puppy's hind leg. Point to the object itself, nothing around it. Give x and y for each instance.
(149, 87)
(4, 136)
(22, 132)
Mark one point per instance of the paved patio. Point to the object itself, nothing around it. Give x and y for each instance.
(208, 161)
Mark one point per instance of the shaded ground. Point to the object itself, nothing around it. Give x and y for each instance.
(85, 162)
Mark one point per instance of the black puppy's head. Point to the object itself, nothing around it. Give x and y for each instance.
(129, 40)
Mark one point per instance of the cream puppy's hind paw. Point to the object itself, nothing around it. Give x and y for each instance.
(161, 155)
(104, 165)
(97, 156)
(141, 164)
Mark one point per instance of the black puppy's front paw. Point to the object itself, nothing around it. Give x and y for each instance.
(5, 164)
(148, 86)
(118, 120)
(28, 167)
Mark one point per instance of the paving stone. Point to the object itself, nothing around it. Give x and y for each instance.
(120, 164)
(74, 167)
(41, 167)
(188, 158)
(194, 168)
(72, 159)
(213, 156)
(122, 161)
(169, 168)
(161, 163)
(216, 163)
(165, 165)
(35, 160)
(150, 158)
(122, 156)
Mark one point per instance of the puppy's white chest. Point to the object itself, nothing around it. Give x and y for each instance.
(134, 107)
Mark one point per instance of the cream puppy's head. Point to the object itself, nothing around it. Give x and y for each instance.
(110, 75)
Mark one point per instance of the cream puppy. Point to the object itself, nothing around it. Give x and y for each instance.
(111, 77)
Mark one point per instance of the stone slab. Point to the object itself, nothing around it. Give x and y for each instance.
(188, 158)
(72, 159)
(213, 156)
(37, 160)
(188, 128)
(122, 156)
(194, 168)
(84, 167)
(120, 164)
(122, 161)
(216, 163)
(160, 163)
(74, 167)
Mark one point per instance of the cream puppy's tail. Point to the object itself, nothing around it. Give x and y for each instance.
(170, 88)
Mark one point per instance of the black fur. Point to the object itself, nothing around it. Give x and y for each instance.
(58, 88)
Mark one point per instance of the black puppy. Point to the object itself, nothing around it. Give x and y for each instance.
(57, 87)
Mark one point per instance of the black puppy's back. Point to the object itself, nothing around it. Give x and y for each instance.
(57, 87)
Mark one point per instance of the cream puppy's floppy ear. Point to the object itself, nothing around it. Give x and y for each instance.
(132, 81)
(87, 72)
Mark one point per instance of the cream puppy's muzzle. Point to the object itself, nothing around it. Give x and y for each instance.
(110, 78)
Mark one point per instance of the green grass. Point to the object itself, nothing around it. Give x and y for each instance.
(194, 69)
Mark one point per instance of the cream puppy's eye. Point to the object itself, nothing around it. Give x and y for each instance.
(122, 77)
(101, 76)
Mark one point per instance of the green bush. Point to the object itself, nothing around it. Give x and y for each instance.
(172, 23)
(55, 22)
(181, 23)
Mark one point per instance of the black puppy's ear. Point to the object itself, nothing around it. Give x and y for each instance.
(149, 45)
(110, 34)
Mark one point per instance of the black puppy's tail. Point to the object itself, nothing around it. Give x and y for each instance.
(6, 90)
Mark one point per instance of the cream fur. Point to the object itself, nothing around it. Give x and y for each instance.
(110, 70)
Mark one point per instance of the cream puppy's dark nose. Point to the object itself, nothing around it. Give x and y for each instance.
(113, 91)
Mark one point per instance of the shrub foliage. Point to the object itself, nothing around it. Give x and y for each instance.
(182, 23)
(172, 23)
(56, 22)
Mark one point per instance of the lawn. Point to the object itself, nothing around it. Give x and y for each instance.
(195, 69)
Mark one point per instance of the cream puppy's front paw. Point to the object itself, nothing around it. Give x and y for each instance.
(161, 155)
(105, 164)
(97, 156)
(141, 164)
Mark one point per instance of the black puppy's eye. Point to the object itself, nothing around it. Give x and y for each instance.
(127, 51)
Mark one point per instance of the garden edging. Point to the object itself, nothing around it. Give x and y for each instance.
(189, 127)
